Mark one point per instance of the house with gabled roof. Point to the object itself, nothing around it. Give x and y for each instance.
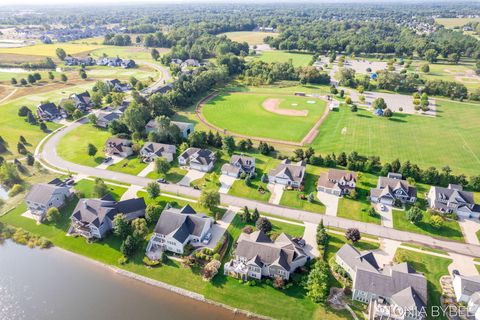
(105, 118)
(43, 196)
(197, 159)
(185, 127)
(48, 111)
(128, 63)
(178, 227)
(337, 182)
(118, 86)
(81, 100)
(387, 290)
(118, 147)
(392, 188)
(288, 173)
(239, 164)
(467, 290)
(152, 150)
(257, 256)
(92, 218)
(453, 200)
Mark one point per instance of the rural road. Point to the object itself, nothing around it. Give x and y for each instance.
(48, 154)
(165, 78)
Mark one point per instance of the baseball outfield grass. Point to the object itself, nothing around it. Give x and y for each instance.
(244, 114)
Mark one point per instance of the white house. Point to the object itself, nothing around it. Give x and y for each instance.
(393, 188)
(178, 227)
(239, 164)
(453, 200)
(118, 147)
(185, 127)
(43, 196)
(152, 150)
(197, 159)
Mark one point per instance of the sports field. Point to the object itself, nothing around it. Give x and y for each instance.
(448, 139)
(48, 50)
(298, 59)
(250, 37)
(264, 115)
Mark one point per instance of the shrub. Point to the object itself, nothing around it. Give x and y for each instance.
(53, 215)
(16, 189)
(150, 263)
(122, 260)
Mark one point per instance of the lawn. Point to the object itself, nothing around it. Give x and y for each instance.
(48, 50)
(86, 188)
(367, 134)
(244, 114)
(298, 59)
(455, 22)
(432, 267)
(174, 175)
(478, 235)
(358, 209)
(73, 146)
(291, 198)
(250, 37)
(131, 165)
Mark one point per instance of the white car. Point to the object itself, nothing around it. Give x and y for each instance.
(383, 208)
(207, 238)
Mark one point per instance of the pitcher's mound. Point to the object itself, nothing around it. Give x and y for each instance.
(272, 105)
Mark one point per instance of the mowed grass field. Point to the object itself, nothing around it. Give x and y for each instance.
(48, 50)
(298, 59)
(244, 114)
(447, 139)
(455, 22)
(250, 37)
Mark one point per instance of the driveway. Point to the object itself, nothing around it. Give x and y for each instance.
(105, 165)
(310, 237)
(469, 228)
(385, 254)
(277, 192)
(191, 175)
(149, 168)
(463, 264)
(330, 201)
(219, 228)
(131, 192)
(226, 183)
(386, 216)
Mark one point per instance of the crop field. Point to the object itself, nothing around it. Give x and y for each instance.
(274, 116)
(444, 140)
(298, 59)
(455, 22)
(250, 37)
(48, 50)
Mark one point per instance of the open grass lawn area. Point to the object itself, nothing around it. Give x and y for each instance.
(284, 87)
(299, 59)
(245, 114)
(432, 267)
(291, 198)
(86, 187)
(73, 146)
(128, 52)
(455, 22)
(367, 134)
(174, 175)
(357, 209)
(48, 50)
(250, 37)
(132, 165)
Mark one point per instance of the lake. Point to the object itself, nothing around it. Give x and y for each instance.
(53, 284)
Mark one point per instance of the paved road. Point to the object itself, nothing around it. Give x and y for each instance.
(165, 78)
(49, 155)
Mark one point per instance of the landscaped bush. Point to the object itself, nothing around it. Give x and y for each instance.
(16, 189)
(122, 260)
(151, 263)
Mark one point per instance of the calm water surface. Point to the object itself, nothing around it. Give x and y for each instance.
(56, 285)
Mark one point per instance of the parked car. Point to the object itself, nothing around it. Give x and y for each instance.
(162, 181)
(382, 207)
(196, 187)
(207, 238)
(107, 160)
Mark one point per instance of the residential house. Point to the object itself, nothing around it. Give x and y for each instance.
(73, 61)
(394, 292)
(239, 164)
(288, 173)
(467, 290)
(190, 63)
(197, 159)
(453, 200)
(92, 218)
(176, 61)
(81, 101)
(117, 86)
(176, 228)
(118, 147)
(43, 196)
(185, 127)
(391, 188)
(48, 111)
(257, 256)
(337, 182)
(105, 118)
(129, 63)
(152, 150)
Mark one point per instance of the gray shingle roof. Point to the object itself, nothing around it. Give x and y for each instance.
(294, 171)
(330, 178)
(469, 285)
(356, 259)
(49, 108)
(159, 148)
(201, 156)
(42, 193)
(387, 186)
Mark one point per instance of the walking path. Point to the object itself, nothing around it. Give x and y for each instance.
(8, 96)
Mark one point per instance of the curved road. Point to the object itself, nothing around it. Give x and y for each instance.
(48, 154)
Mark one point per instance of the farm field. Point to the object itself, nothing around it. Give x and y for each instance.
(250, 37)
(244, 114)
(455, 22)
(298, 59)
(48, 50)
(408, 137)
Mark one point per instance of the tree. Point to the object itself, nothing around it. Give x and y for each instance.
(23, 111)
(255, 215)
(43, 127)
(431, 55)
(162, 166)
(372, 212)
(263, 224)
(414, 215)
(63, 78)
(13, 81)
(69, 107)
(31, 79)
(379, 103)
(425, 68)
(454, 58)
(322, 236)
(228, 144)
(61, 54)
(53, 215)
(83, 74)
(92, 150)
(121, 227)
(436, 221)
(37, 76)
(353, 235)
(92, 118)
(155, 54)
(152, 213)
(129, 246)
(9, 175)
(51, 76)
(22, 139)
(21, 148)
(23, 82)
(388, 113)
(30, 159)
(209, 199)
(100, 189)
(139, 227)
(153, 189)
(31, 119)
(317, 282)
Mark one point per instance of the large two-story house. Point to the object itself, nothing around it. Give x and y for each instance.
(118, 86)
(197, 159)
(239, 164)
(393, 188)
(467, 290)
(48, 111)
(92, 218)
(176, 228)
(152, 150)
(288, 173)
(337, 182)
(185, 127)
(43, 196)
(118, 147)
(81, 100)
(394, 292)
(257, 256)
(453, 200)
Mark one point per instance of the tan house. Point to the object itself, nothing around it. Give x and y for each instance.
(337, 182)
